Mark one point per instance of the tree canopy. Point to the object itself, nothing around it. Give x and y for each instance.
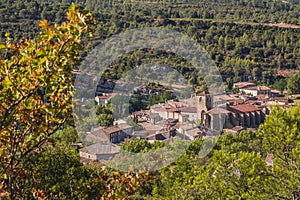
(36, 90)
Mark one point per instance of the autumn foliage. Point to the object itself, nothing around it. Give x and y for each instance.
(36, 91)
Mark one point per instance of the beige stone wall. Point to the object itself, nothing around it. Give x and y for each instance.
(87, 155)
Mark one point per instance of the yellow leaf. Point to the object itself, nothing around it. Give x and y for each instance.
(117, 173)
(2, 46)
(43, 24)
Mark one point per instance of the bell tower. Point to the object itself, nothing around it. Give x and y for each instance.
(204, 104)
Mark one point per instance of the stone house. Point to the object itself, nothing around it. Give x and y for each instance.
(118, 133)
(229, 115)
(104, 98)
(190, 112)
(257, 90)
(99, 151)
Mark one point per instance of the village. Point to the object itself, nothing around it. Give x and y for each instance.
(203, 115)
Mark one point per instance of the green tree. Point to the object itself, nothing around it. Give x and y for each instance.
(60, 175)
(68, 135)
(104, 115)
(280, 85)
(234, 176)
(281, 141)
(293, 84)
(136, 146)
(36, 91)
(235, 90)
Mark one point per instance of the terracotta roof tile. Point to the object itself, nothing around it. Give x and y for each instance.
(173, 109)
(175, 104)
(241, 85)
(244, 108)
(116, 128)
(218, 110)
(107, 96)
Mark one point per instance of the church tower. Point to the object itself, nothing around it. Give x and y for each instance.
(204, 103)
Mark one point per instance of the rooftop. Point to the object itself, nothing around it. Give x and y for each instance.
(101, 149)
(144, 133)
(241, 85)
(174, 104)
(173, 109)
(107, 96)
(218, 110)
(245, 108)
(116, 128)
(97, 128)
(258, 88)
(194, 132)
(262, 96)
(97, 136)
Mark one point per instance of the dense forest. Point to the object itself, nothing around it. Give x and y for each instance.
(243, 37)
(38, 159)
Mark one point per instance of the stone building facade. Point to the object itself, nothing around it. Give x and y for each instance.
(217, 113)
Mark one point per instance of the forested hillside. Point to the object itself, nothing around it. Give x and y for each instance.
(237, 34)
(39, 143)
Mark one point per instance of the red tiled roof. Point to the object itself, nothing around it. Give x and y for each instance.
(236, 100)
(98, 128)
(173, 109)
(263, 88)
(263, 96)
(116, 128)
(175, 104)
(245, 108)
(218, 110)
(228, 98)
(107, 96)
(241, 85)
